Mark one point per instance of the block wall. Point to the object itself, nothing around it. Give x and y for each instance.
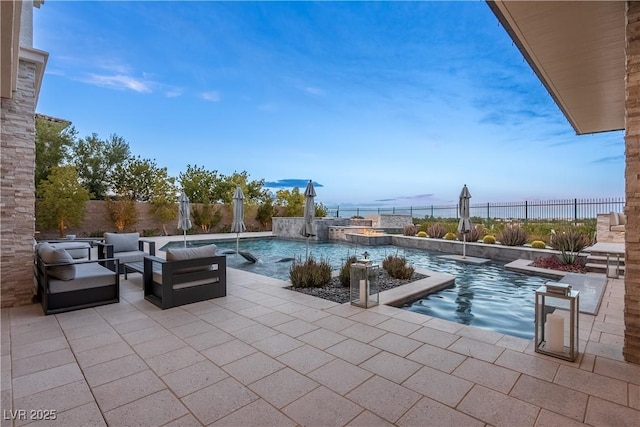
(17, 204)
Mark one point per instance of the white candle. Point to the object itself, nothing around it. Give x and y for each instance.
(555, 333)
(363, 292)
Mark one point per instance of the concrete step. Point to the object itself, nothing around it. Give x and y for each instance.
(602, 269)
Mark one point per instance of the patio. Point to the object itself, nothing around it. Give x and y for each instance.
(264, 355)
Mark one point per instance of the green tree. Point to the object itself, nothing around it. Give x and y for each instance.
(265, 212)
(163, 199)
(291, 200)
(198, 184)
(96, 159)
(122, 212)
(63, 199)
(135, 178)
(225, 186)
(206, 217)
(53, 141)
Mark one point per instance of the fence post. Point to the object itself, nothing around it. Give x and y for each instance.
(431, 211)
(488, 216)
(357, 211)
(575, 211)
(526, 212)
(338, 212)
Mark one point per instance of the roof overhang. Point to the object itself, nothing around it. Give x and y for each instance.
(577, 49)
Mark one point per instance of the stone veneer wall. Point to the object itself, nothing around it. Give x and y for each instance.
(17, 148)
(289, 227)
(631, 349)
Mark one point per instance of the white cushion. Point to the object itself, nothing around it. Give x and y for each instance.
(122, 242)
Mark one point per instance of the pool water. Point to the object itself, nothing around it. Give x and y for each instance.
(486, 296)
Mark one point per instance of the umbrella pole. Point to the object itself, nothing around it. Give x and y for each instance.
(464, 245)
(184, 232)
(237, 244)
(307, 257)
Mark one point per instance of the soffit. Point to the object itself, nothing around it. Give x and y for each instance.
(577, 49)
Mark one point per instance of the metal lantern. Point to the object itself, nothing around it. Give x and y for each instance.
(557, 316)
(364, 283)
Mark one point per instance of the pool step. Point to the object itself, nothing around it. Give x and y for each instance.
(612, 264)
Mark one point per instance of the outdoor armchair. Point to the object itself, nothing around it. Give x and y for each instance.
(186, 276)
(64, 284)
(126, 247)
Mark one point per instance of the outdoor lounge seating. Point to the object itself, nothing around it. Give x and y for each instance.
(126, 247)
(187, 275)
(65, 284)
(617, 221)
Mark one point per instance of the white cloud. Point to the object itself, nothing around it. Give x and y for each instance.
(120, 82)
(174, 93)
(213, 96)
(310, 90)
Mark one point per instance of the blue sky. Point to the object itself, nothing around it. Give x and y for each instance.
(380, 103)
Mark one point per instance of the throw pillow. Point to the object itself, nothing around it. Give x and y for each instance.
(51, 255)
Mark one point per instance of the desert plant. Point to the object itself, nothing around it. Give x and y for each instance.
(489, 239)
(122, 212)
(437, 231)
(422, 234)
(570, 244)
(345, 271)
(553, 263)
(310, 273)
(450, 236)
(538, 244)
(206, 216)
(410, 230)
(474, 235)
(397, 267)
(513, 235)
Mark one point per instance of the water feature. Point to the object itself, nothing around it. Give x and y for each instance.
(486, 296)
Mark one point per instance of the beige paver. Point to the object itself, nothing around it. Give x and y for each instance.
(283, 387)
(322, 407)
(384, 398)
(329, 370)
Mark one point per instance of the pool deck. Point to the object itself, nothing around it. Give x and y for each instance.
(266, 355)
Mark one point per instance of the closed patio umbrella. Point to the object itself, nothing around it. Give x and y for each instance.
(308, 229)
(237, 226)
(184, 220)
(464, 226)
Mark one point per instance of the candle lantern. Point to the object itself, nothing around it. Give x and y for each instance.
(364, 283)
(556, 323)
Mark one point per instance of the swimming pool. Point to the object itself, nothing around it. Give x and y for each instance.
(487, 296)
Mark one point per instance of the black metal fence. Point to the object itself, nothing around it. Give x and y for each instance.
(566, 210)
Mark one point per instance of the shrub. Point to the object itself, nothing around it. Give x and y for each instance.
(422, 234)
(437, 231)
(345, 271)
(489, 239)
(474, 235)
(538, 244)
(513, 235)
(410, 230)
(450, 236)
(569, 243)
(397, 267)
(146, 232)
(552, 262)
(309, 273)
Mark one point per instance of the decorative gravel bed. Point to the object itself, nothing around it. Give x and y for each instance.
(335, 292)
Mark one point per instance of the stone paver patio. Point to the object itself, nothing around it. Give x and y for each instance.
(265, 355)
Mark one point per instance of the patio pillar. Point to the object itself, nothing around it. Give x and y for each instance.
(17, 209)
(631, 350)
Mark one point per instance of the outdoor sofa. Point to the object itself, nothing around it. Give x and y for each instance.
(617, 221)
(186, 276)
(126, 247)
(64, 284)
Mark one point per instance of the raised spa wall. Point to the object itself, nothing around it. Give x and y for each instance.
(351, 230)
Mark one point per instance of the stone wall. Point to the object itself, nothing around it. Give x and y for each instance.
(394, 221)
(289, 227)
(17, 147)
(96, 221)
(631, 350)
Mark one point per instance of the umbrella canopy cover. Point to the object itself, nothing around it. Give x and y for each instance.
(464, 226)
(309, 211)
(184, 220)
(237, 226)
